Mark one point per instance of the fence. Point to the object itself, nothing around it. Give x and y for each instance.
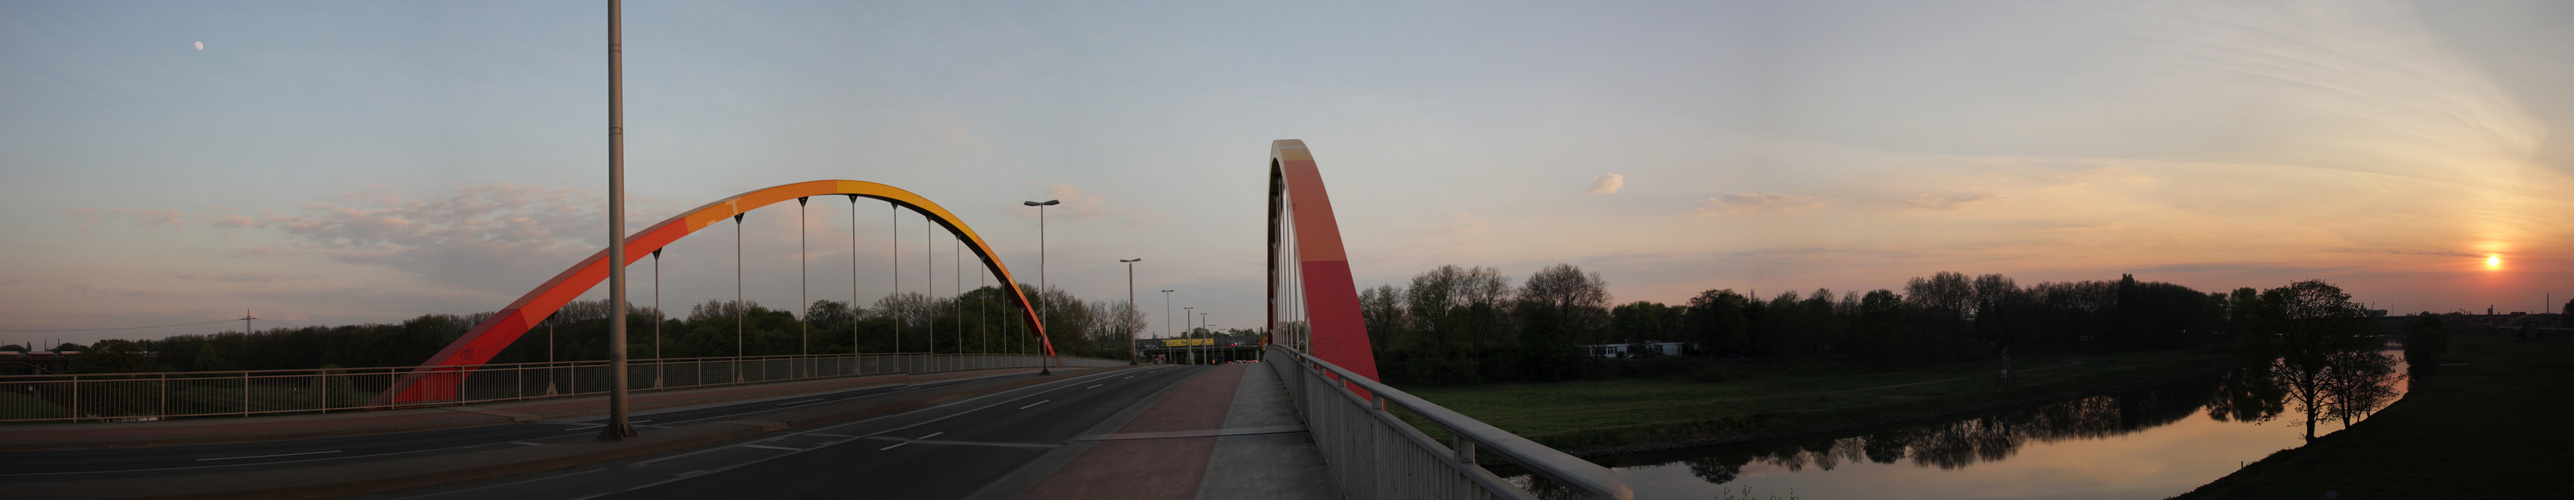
(1375, 455)
(154, 396)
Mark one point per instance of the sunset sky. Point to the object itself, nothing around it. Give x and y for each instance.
(328, 163)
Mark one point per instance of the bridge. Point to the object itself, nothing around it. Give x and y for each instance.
(929, 418)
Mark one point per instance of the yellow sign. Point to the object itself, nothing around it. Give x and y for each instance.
(1186, 342)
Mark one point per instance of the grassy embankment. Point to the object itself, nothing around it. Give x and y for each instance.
(1771, 401)
(2488, 429)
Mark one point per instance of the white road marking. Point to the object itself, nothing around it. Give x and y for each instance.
(896, 445)
(524, 443)
(1092, 386)
(682, 477)
(1033, 405)
(267, 456)
(832, 435)
(931, 435)
(767, 447)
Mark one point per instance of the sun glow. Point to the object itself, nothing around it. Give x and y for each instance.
(2493, 262)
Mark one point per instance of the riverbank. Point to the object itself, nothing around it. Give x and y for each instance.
(2483, 429)
(1769, 402)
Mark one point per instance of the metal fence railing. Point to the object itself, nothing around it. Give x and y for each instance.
(1373, 454)
(127, 397)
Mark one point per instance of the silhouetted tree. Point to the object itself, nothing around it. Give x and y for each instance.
(2425, 340)
(2310, 327)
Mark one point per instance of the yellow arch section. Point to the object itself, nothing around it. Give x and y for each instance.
(486, 340)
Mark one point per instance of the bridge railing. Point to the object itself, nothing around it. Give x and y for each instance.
(1375, 455)
(155, 396)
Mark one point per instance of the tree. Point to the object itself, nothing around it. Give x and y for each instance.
(2424, 341)
(1716, 319)
(112, 356)
(1381, 309)
(1945, 295)
(2316, 337)
(1582, 300)
(1642, 321)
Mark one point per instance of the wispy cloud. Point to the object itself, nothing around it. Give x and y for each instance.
(1948, 202)
(477, 235)
(1607, 183)
(1752, 202)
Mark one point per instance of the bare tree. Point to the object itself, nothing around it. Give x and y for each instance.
(1582, 298)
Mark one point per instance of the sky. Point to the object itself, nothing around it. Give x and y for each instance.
(323, 163)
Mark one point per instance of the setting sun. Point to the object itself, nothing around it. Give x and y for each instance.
(2493, 262)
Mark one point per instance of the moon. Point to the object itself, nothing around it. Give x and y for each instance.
(201, 46)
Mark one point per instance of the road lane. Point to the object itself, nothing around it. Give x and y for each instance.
(947, 451)
(160, 461)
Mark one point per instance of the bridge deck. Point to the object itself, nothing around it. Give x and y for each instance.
(1229, 433)
(192, 431)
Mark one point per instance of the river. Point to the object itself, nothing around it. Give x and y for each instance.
(2149, 443)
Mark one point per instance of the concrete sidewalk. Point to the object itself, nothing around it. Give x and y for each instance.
(1229, 433)
(63, 436)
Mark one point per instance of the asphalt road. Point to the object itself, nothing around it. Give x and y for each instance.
(149, 462)
(948, 451)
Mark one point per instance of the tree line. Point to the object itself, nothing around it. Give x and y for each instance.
(979, 321)
(1457, 325)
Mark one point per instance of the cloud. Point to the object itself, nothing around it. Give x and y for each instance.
(155, 219)
(945, 143)
(1607, 183)
(1749, 202)
(1076, 204)
(236, 278)
(1949, 202)
(483, 236)
(1463, 224)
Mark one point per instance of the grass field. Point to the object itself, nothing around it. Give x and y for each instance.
(1773, 401)
(15, 405)
(2482, 430)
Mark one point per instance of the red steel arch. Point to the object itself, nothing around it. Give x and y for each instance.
(1329, 301)
(486, 340)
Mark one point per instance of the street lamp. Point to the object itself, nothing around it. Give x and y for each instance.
(1190, 314)
(1042, 368)
(1131, 349)
(1166, 317)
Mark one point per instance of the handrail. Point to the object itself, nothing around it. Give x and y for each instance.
(159, 395)
(1583, 477)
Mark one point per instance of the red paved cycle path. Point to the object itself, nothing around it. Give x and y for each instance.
(1153, 468)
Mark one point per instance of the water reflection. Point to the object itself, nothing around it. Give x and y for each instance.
(1960, 443)
(2148, 443)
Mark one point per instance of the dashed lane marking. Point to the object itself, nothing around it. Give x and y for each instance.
(266, 456)
(896, 445)
(767, 447)
(1033, 405)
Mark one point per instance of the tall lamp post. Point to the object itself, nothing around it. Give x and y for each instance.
(1189, 314)
(1132, 351)
(1166, 318)
(616, 427)
(1042, 368)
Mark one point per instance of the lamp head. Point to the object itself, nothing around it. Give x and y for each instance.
(1130, 261)
(1046, 203)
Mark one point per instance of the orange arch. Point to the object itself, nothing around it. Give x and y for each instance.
(486, 340)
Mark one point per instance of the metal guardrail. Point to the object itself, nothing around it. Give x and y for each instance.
(1375, 455)
(128, 397)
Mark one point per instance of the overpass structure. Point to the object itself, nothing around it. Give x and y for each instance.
(1314, 398)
